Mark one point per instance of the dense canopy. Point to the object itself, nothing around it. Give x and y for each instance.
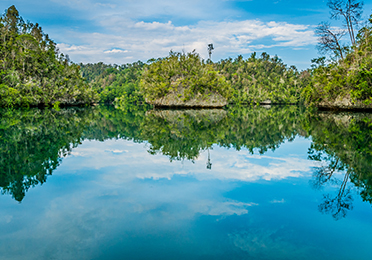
(33, 72)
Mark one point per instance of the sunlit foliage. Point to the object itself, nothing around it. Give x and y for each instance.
(114, 81)
(255, 80)
(349, 78)
(33, 71)
(182, 70)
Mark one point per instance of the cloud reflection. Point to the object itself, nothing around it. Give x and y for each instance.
(130, 161)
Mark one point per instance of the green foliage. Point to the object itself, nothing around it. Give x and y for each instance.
(350, 78)
(9, 96)
(259, 79)
(120, 83)
(33, 72)
(186, 71)
(240, 81)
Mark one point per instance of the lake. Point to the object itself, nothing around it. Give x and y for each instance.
(134, 183)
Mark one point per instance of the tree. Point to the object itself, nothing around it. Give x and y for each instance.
(33, 71)
(12, 19)
(350, 10)
(210, 49)
(329, 41)
(318, 62)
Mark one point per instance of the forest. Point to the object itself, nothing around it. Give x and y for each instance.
(35, 73)
(240, 81)
(346, 80)
(341, 81)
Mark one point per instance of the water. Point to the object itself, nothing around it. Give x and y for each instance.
(242, 183)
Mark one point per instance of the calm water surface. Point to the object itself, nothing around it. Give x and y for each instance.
(241, 183)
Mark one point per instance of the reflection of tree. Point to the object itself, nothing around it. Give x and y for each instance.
(342, 142)
(324, 173)
(183, 134)
(262, 129)
(209, 164)
(339, 205)
(32, 144)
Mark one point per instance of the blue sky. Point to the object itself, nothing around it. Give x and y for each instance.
(121, 31)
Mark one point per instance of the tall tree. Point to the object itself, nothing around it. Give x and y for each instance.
(210, 49)
(350, 11)
(33, 72)
(328, 40)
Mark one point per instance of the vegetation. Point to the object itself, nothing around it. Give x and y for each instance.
(185, 71)
(33, 72)
(348, 78)
(259, 79)
(115, 82)
(253, 80)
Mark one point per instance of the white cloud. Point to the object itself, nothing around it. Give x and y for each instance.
(222, 208)
(278, 201)
(148, 29)
(115, 51)
(146, 40)
(100, 5)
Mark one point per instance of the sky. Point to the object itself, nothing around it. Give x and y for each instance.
(124, 31)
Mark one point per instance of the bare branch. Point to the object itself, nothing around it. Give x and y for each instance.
(350, 10)
(329, 41)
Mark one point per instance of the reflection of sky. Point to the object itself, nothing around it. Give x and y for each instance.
(125, 160)
(113, 200)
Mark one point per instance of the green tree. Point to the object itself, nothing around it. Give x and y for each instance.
(180, 71)
(34, 73)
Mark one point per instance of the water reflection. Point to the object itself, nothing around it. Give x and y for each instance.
(182, 134)
(33, 142)
(342, 143)
(221, 184)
